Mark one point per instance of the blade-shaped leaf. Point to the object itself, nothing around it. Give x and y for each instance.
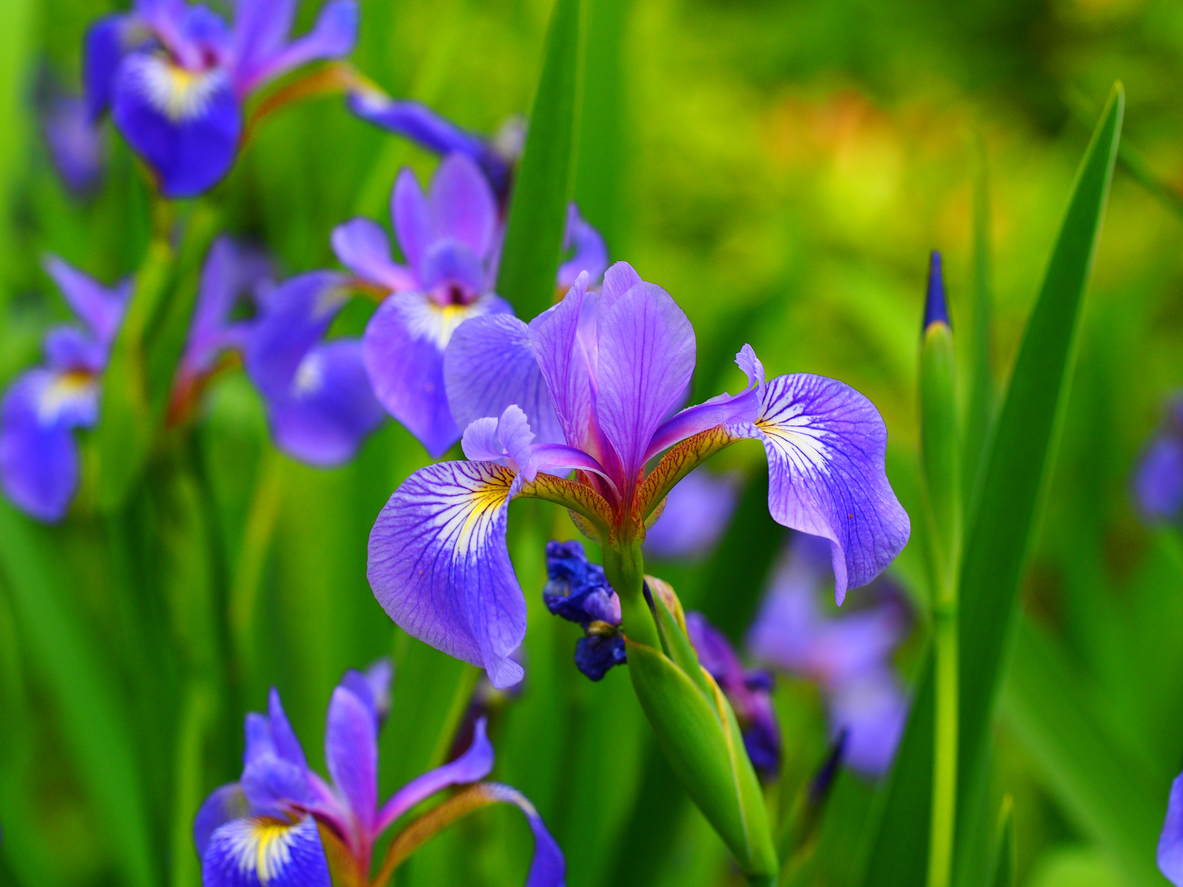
(1000, 528)
(1004, 852)
(94, 728)
(538, 208)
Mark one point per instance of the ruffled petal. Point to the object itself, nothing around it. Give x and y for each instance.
(186, 125)
(1170, 842)
(224, 804)
(588, 251)
(362, 246)
(264, 852)
(403, 347)
(440, 568)
(696, 513)
(38, 455)
(463, 206)
(351, 754)
(489, 364)
(647, 352)
(332, 37)
(475, 764)
(99, 307)
(825, 445)
(329, 408)
(548, 867)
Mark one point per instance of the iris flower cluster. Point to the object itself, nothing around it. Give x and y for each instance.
(282, 823)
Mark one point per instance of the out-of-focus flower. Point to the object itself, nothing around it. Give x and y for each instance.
(176, 77)
(848, 657)
(578, 591)
(1158, 478)
(319, 402)
(587, 387)
(748, 690)
(75, 142)
(263, 829)
(696, 514)
(1170, 842)
(39, 465)
(450, 239)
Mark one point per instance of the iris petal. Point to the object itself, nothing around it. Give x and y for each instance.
(565, 363)
(440, 568)
(462, 203)
(363, 247)
(223, 805)
(265, 852)
(1170, 843)
(332, 37)
(825, 445)
(351, 754)
(98, 306)
(547, 868)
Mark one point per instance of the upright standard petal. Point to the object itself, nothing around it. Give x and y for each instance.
(263, 852)
(363, 247)
(261, 29)
(38, 455)
(1170, 842)
(351, 755)
(462, 203)
(185, 124)
(489, 364)
(403, 348)
(332, 37)
(231, 270)
(646, 358)
(439, 565)
(567, 367)
(98, 306)
(825, 445)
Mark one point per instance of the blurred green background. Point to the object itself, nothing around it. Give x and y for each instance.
(782, 168)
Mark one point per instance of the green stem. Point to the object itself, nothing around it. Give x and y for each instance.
(944, 786)
(625, 570)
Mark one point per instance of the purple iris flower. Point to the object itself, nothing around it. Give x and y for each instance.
(849, 657)
(1170, 842)
(579, 592)
(39, 464)
(451, 238)
(176, 77)
(1158, 479)
(587, 386)
(75, 143)
(263, 829)
(319, 402)
(748, 690)
(696, 514)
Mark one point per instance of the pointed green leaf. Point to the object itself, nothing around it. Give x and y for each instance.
(538, 208)
(999, 530)
(1004, 852)
(94, 727)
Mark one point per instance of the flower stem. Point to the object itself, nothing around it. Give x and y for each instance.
(944, 785)
(625, 569)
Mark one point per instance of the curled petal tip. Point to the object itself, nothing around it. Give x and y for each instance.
(936, 310)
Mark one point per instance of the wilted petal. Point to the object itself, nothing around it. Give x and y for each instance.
(329, 408)
(403, 349)
(489, 364)
(98, 306)
(362, 246)
(351, 754)
(548, 868)
(872, 709)
(439, 565)
(646, 357)
(265, 852)
(1170, 842)
(589, 252)
(224, 804)
(696, 513)
(186, 125)
(475, 764)
(332, 37)
(38, 454)
(825, 445)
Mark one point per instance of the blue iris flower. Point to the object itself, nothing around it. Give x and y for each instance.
(39, 463)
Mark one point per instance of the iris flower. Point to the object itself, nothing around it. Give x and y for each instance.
(1170, 842)
(263, 829)
(848, 657)
(696, 514)
(176, 77)
(1158, 479)
(451, 238)
(39, 465)
(588, 386)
